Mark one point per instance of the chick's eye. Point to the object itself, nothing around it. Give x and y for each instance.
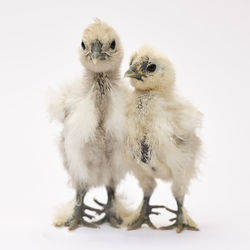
(112, 45)
(151, 68)
(83, 46)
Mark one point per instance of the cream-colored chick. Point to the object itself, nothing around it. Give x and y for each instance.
(92, 113)
(161, 134)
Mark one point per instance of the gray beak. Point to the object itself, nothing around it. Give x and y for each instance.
(96, 51)
(132, 73)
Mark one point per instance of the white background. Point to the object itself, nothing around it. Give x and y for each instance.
(209, 44)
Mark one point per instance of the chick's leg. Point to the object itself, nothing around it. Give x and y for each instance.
(182, 219)
(145, 212)
(142, 215)
(109, 210)
(78, 215)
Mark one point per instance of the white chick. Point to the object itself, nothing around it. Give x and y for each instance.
(92, 113)
(161, 134)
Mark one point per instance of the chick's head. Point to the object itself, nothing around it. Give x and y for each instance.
(101, 49)
(150, 70)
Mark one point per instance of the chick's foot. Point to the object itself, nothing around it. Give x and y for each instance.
(143, 218)
(181, 221)
(77, 219)
(110, 216)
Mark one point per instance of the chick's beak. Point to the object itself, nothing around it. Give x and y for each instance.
(96, 51)
(95, 57)
(132, 73)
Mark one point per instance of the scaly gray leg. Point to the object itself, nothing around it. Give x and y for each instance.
(143, 217)
(108, 209)
(182, 220)
(79, 212)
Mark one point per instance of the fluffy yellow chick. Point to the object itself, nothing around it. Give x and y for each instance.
(161, 138)
(92, 113)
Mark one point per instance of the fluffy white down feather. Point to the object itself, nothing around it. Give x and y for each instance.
(163, 121)
(92, 111)
(169, 123)
(63, 213)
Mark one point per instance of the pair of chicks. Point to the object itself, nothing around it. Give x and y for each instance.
(109, 130)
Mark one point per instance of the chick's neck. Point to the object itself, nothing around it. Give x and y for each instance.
(100, 85)
(110, 76)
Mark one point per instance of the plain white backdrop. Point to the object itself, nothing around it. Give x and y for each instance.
(209, 44)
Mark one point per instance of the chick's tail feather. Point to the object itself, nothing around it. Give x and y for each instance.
(128, 215)
(63, 213)
(58, 103)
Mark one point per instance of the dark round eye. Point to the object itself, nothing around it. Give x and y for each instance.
(83, 46)
(151, 68)
(112, 45)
